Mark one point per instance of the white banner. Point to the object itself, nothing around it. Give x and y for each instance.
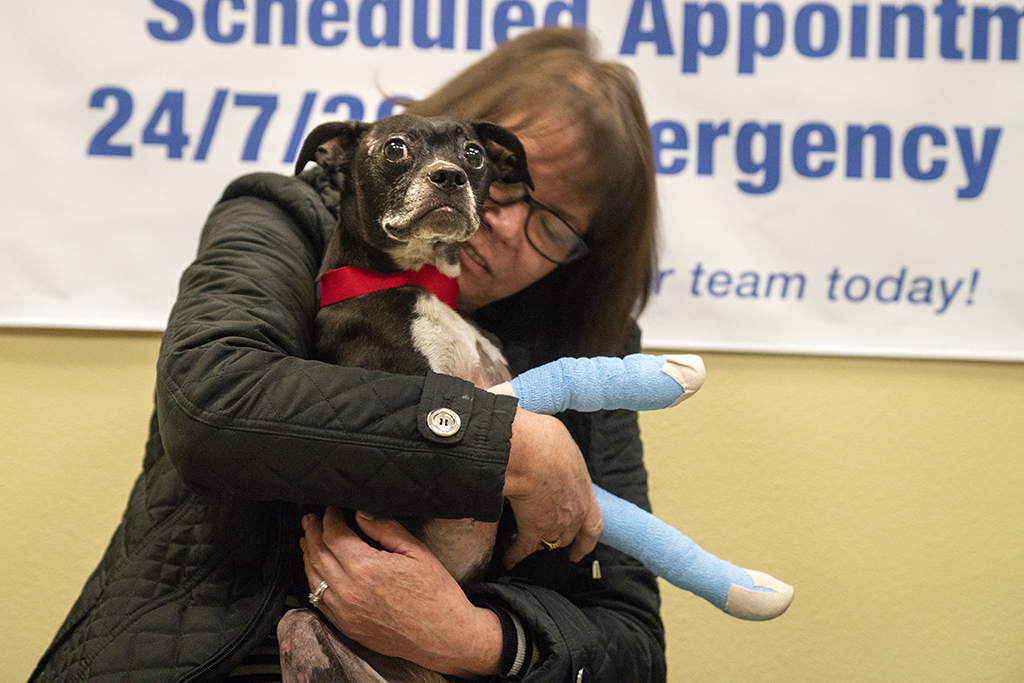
(835, 178)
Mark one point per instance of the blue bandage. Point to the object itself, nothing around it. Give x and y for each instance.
(666, 551)
(635, 382)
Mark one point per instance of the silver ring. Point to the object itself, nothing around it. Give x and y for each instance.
(314, 597)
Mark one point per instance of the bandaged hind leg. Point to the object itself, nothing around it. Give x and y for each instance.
(675, 557)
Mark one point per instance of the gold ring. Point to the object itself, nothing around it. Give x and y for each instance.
(314, 597)
(551, 545)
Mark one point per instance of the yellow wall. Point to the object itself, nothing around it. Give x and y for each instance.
(888, 491)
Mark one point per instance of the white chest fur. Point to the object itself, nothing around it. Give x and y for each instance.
(454, 346)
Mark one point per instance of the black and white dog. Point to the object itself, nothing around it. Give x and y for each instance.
(412, 190)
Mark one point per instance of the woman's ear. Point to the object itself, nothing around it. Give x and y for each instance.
(505, 152)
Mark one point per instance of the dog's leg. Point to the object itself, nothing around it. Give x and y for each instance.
(675, 557)
(312, 653)
(637, 382)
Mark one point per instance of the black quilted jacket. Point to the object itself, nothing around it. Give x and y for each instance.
(246, 429)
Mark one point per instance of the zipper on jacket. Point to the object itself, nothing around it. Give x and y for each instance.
(268, 598)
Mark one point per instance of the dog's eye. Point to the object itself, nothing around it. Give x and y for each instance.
(395, 150)
(475, 155)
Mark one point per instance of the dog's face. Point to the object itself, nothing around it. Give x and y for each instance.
(411, 183)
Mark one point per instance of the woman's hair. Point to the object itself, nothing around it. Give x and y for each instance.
(587, 307)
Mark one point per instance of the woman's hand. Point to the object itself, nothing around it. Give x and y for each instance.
(399, 601)
(549, 488)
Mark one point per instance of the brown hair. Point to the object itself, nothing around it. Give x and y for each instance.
(588, 307)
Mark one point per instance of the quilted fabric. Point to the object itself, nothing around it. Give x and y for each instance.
(247, 427)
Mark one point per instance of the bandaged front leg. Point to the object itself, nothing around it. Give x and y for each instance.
(637, 382)
(675, 557)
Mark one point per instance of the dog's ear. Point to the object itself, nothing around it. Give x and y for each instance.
(505, 151)
(330, 145)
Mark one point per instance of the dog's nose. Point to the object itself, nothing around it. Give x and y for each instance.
(448, 178)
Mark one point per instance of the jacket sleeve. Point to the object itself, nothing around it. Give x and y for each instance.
(608, 626)
(243, 410)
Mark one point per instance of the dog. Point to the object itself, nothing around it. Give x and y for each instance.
(412, 190)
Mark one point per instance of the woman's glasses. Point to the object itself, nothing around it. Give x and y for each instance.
(548, 233)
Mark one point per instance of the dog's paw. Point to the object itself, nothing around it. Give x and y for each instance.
(768, 598)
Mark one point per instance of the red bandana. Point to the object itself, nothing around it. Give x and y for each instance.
(352, 281)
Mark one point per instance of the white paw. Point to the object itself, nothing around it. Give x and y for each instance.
(686, 369)
(753, 605)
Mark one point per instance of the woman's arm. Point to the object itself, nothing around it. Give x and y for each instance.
(244, 411)
(609, 625)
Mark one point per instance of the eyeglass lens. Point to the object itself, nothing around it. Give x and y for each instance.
(551, 236)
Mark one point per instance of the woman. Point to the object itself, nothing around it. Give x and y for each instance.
(247, 429)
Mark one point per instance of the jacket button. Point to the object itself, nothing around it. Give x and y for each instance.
(444, 422)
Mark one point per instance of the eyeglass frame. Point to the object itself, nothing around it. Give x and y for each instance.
(579, 249)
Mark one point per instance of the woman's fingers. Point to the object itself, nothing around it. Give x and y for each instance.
(391, 535)
(311, 544)
(589, 531)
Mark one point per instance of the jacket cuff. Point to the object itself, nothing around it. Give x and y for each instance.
(516, 647)
(445, 409)
(447, 406)
(473, 428)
